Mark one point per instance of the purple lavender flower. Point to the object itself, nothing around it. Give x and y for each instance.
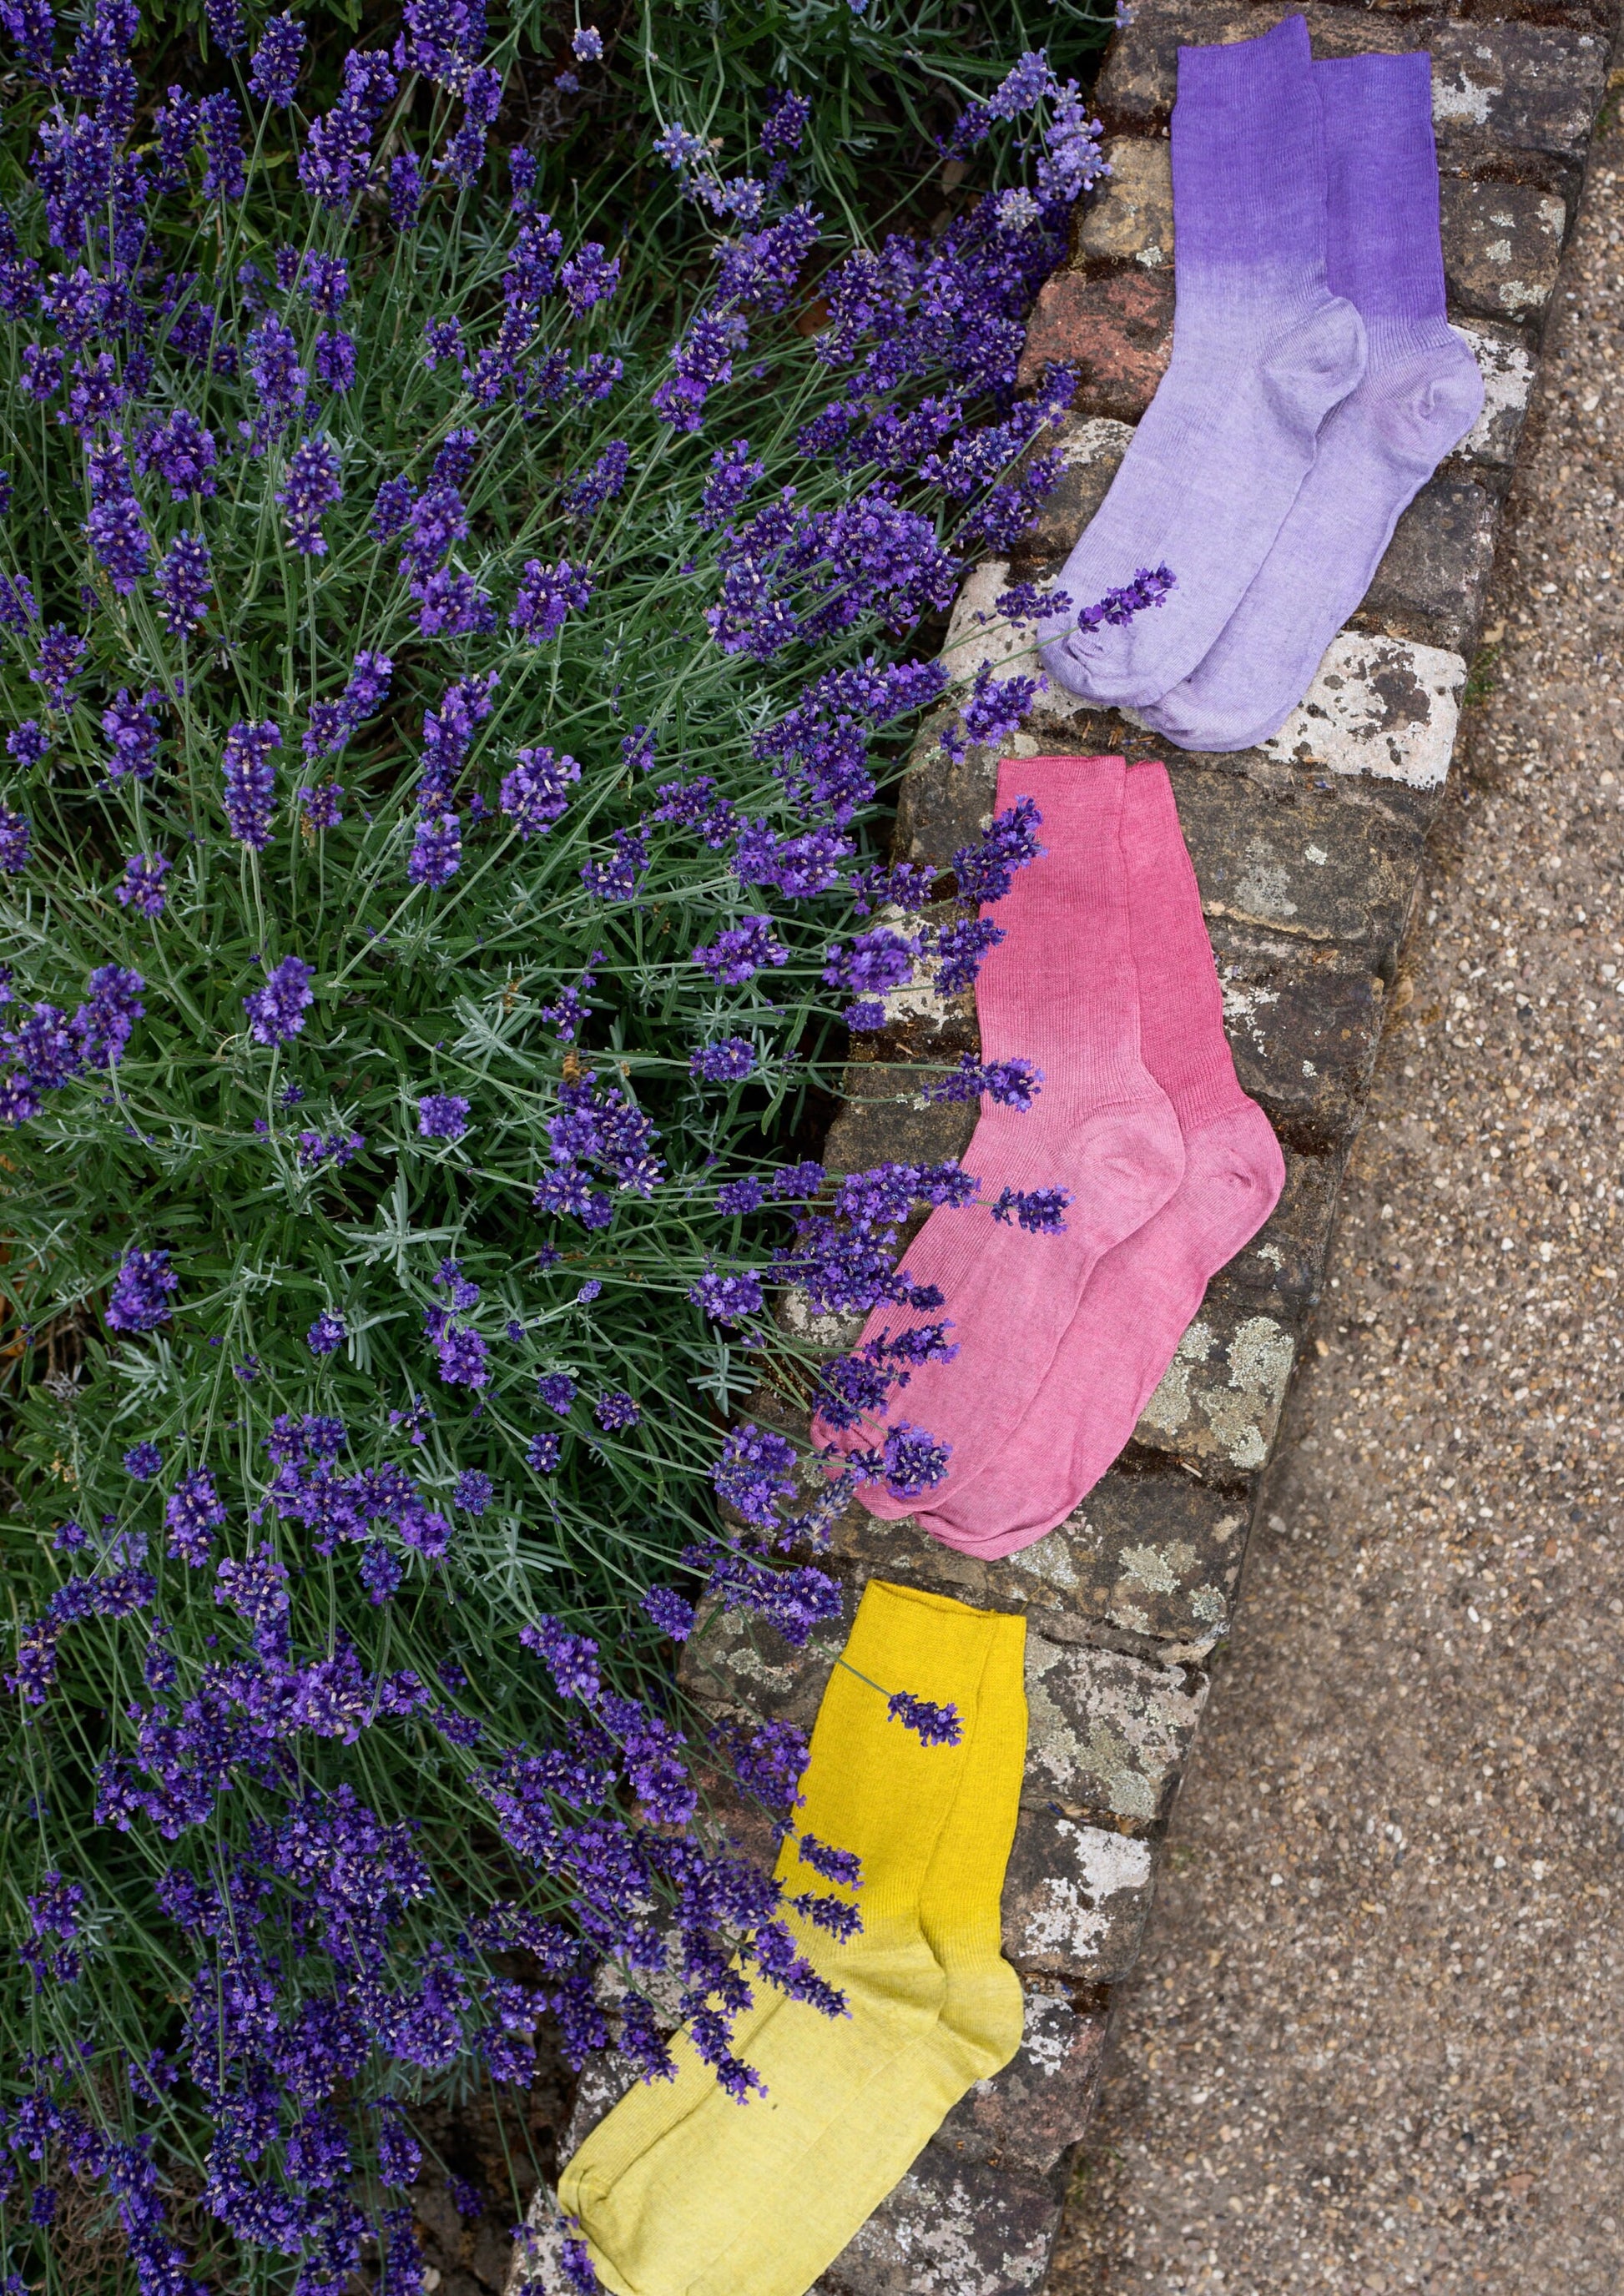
(739, 954)
(546, 596)
(617, 878)
(931, 1724)
(143, 886)
(986, 870)
(756, 1469)
(333, 358)
(728, 1062)
(1037, 1210)
(727, 1299)
(327, 1334)
(533, 794)
(669, 1612)
(182, 453)
(1118, 607)
(141, 1292)
(589, 277)
(442, 1116)
(225, 174)
(143, 1460)
(274, 371)
(132, 728)
(557, 1391)
(321, 803)
(462, 1354)
(405, 190)
(785, 122)
(472, 1491)
(542, 1453)
(276, 1012)
(310, 487)
(586, 44)
(1013, 1084)
(192, 1515)
(437, 852)
(30, 745)
(227, 28)
(117, 536)
(391, 508)
(184, 582)
(16, 841)
(251, 782)
(274, 74)
(614, 1409)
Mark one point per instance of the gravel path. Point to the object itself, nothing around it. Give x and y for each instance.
(1376, 2038)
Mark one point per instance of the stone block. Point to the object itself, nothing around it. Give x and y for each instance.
(1076, 1897)
(885, 1124)
(1134, 94)
(1117, 332)
(1155, 1552)
(1502, 244)
(605, 2078)
(945, 801)
(1129, 219)
(1507, 368)
(1219, 1401)
(1380, 706)
(738, 1663)
(1434, 577)
(1283, 1266)
(1303, 1026)
(1025, 2117)
(1093, 449)
(1515, 87)
(949, 2228)
(1299, 864)
(1106, 1732)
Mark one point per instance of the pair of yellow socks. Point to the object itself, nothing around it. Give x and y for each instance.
(682, 2192)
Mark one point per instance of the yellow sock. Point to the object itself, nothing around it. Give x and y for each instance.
(680, 2192)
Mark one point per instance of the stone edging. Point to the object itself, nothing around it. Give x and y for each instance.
(1309, 853)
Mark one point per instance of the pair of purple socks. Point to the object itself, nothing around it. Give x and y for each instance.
(1314, 387)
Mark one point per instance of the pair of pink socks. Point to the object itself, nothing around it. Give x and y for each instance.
(1104, 979)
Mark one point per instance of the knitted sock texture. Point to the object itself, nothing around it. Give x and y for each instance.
(1142, 1297)
(1419, 394)
(1262, 350)
(680, 2190)
(1060, 989)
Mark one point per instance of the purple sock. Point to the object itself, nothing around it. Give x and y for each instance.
(1262, 350)
(1420, 396)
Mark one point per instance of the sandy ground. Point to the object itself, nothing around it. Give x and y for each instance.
(1376, 2038)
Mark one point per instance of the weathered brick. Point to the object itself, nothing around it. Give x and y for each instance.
(1076, 1897)
(1154, 1552)
(884, 1125)
(1130, 219)
(1433, 576)
(737, 1662)
(1303, 1026)
(1511, 87)
(1092, 447)
(1377, 706)
(1117, 332)
(1025, 2117)
(1303, 864)
(1220, 1402)
(1134, 91)
(950, 2228)
(1502, 244)
(1283, 1266)
(1106, 1733)
(1507, 368)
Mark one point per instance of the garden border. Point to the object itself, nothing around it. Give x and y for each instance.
(1308, 852)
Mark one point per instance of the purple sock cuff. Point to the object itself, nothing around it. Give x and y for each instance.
(1248, 156)
(1382, 169)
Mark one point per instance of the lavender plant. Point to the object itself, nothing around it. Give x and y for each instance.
(449, 671)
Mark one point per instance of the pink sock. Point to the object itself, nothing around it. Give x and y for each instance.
(1060, 990)
(1143, 1296)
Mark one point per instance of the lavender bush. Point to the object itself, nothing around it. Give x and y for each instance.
(453, 640)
